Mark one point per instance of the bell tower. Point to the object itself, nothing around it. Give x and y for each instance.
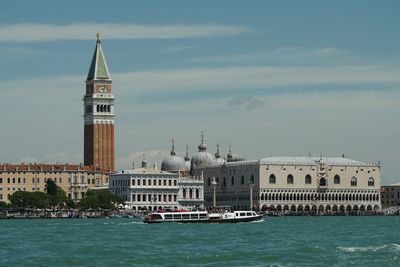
(99, 114)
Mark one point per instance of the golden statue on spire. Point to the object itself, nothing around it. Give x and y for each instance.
(98, 36)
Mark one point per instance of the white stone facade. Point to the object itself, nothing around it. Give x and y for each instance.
(295, 184)
(147, 189)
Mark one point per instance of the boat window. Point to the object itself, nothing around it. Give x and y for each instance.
(195, 216)
(237, 214)
(186, 216)
(203, 216)
(243, 214)
(248, 213)
(177, 216)
(168, 216)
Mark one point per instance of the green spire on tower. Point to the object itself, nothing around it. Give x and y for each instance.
(98, 68)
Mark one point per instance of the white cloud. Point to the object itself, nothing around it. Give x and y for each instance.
(283, 55)
(251, 77)
(32, 32)
(225, 78)
(175, 49)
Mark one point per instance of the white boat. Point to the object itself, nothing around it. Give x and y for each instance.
(203, 217)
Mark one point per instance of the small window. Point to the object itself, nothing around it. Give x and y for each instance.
(232, 180)
(242, 180)
(290, 179)
(307, 179)
(371, 181)
(336, 179)
(322, 182)
(353, 181)
(272, 179)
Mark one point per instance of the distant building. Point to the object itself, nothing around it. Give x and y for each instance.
(147, 189)
(289, 184)
(75, 180)
(390, 196)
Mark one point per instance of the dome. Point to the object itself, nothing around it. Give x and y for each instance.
(173, 163)
(201, 158)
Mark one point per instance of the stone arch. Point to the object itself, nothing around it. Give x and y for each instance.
(314, 209)
(362, 208)
(279, 208)
(335, 208)
(286, 207)
(321, 209)
(355, 208)
(293, 208)
(342, 208)
(376, 208)
(322, 182)
(369, 208)
(264, 208)
(307, 208)
(300, 208)
(328, 208)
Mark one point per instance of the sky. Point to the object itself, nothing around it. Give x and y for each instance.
(271, 78)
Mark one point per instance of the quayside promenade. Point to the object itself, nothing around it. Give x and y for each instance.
(20, 213)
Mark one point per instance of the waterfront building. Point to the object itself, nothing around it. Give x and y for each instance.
(390, 196)
(99, 114)
(290, 184)
(75, 180)
(148, 189)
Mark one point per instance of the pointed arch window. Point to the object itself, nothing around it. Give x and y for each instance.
(336, 179)
(353, 181)
(290, 179)
(322, 182)
(272, 179)
(371, 181)
(308, 179)
(232, 180)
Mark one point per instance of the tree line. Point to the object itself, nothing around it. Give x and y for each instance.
(55, 197)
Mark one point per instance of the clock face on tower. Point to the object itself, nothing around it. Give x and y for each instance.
(102, 89)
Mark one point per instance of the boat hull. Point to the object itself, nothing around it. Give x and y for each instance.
(231, 220)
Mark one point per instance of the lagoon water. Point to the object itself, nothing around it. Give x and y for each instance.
(279, 241)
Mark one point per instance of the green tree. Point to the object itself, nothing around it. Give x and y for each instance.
(3, 204)
(100, 199)
(23, 199)
(56, 195)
